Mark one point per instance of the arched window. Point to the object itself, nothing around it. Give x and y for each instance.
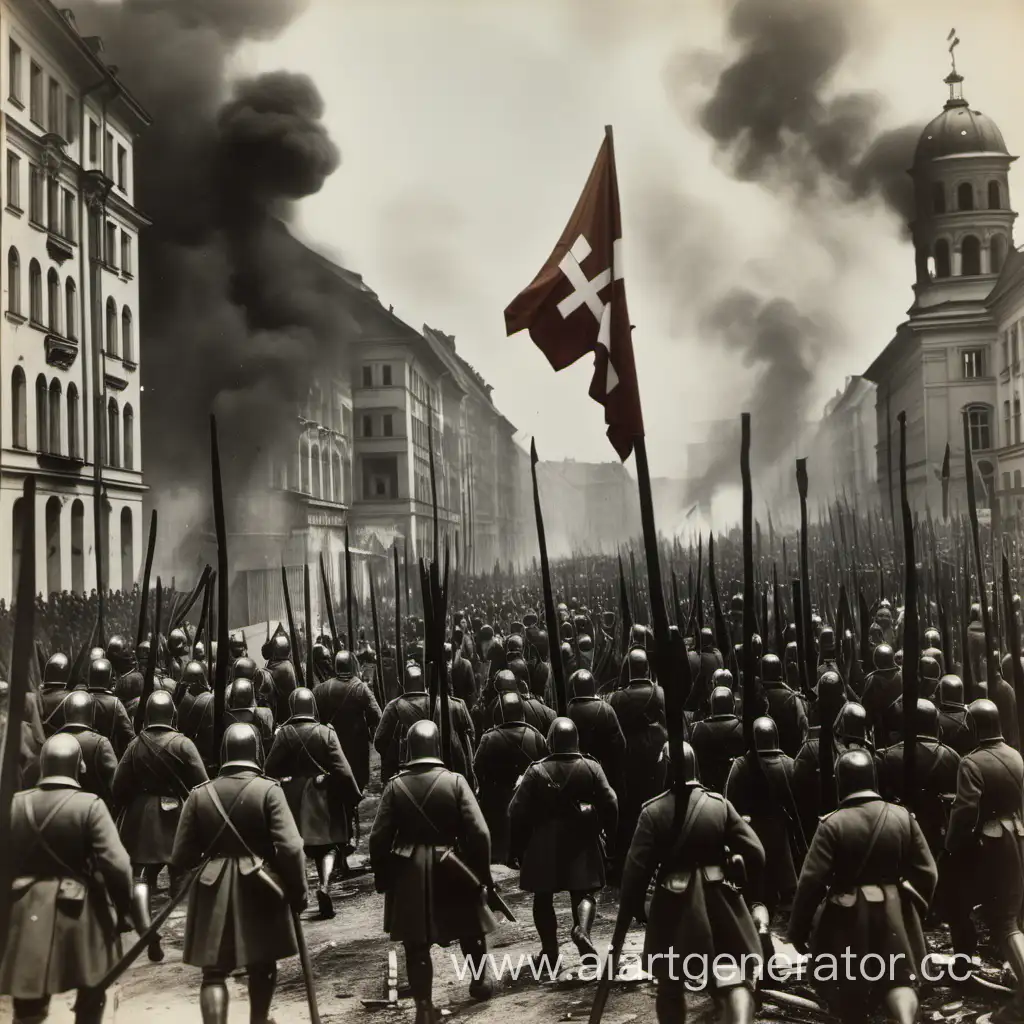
(127, 551)
(111, 333)
(979, 419)
(42, 414)
(997, 253)
(304, 466)
(994, 199)
(53, 573)
(315, 470)
(113, 434)
(129, 438)
(19, 408)
(339, 487)
(55, 411)
(938, 197)
(18, 513)
(70, 308)
(965, 196)
(77, 543)
(127, 340)
(942, 261)
(13, 280)
(35, 292)
(53, 302)
(970, 256)
(73, 451)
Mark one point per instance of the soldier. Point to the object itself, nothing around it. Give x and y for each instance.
(557, 816)
(396, 720)
(240, 706)
(177, 648)
(759, 786)
(806, 782)
(785, 706)
(538, 714)
(640, 709)
(935, 776)
(322, 791)
(69, 873)
(430, 854)
(195, 712)
(130, 680)
(158, 771)
(348, 704)
(282, 671)
(240, 914)
(54, 691)
(985, 846)
(976, 649)
(954, 725)
(718, 740)
(600, 735)
(882, 691)
(1001, 693)
(681, 839)
(461, 674)
(929, 672)
(870, 868)
(99, 762)
(505, 752)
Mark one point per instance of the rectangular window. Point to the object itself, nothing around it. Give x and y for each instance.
(70, 228)
(94, 141)
(974, 363)
(53, 206)
(981, 438)
(1016, 352)
(367, 376)
(1006, 350)
(13, 180)
(35, 194)
(108, 155)
(1006, 422)
(126, 253)
(387, 376)
(110, 248)
(1016, 421)
(14, 72)
(122, 169)
(389, 429)
(54, 107)
(70, 119)
(35, 93)
(380, 478)
(367, 426)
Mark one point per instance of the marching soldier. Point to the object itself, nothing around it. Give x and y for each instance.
(936, 768)
(430, 854)
(785, 706)
(871, 873)
(985, 844)
(684, 839)
(54, 690)
(282, 671)
(557, 816)
(71, 891)
(321, 790)
(504, 754)
(240, 707)
(130, 680)
(348, 704)
(882, 690)
(954, 725)
(158, 771)
(195, 712)
(397, 719)
(98, 760)
(600, 735)
(111, 719)
(718, 740)
(240, 911)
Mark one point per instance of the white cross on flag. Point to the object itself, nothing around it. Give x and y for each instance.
(577, 303)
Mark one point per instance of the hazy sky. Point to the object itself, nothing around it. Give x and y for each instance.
(467, 129)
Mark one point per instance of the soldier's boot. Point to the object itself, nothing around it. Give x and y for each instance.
(1013, 1011)
(262, 982)
(586, 910)
(213, 1001)
(89, 1006)
(141, 916)
(420, 972)
(324, 870)
(670, 1002)
(545, 922)
(475, 950)
(738, 1003)
(901, 1005)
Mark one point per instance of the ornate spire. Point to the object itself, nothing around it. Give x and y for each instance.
(954, 79)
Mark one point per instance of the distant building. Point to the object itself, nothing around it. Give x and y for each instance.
(69, 337)
(842, 458)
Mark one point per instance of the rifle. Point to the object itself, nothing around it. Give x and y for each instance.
(307, 969)
(604, 986)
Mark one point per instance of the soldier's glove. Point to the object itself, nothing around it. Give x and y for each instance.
(759, 912)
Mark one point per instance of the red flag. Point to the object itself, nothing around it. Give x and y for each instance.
(577, 303)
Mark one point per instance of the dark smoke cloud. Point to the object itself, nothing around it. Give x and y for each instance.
(234, 319)
(776, 119)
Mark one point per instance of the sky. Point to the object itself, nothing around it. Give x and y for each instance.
(468, 127)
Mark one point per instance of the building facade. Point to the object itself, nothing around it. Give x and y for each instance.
(944, 361)
(843, 457)
(69, 336)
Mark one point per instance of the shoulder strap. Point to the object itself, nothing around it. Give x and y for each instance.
(163, 756)
(876, 831)
(684, 832)
(30, 816)
(225, 816)
(302, 743)
(407, 793)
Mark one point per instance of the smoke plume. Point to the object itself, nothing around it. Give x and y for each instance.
(776, 119)
(235, 318)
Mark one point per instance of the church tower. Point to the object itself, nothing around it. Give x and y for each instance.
(963, 226)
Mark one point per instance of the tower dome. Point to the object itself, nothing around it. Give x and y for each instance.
(958, 130)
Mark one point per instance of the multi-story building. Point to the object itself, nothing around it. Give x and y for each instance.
(842, 458)
(69, 337)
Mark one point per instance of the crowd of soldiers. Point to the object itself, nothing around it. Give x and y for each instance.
(711, 842)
